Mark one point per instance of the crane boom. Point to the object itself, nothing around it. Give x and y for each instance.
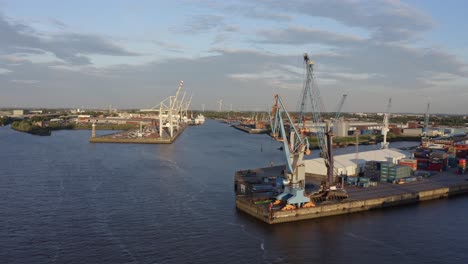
(302, 105)
(338, 111)
(315, 101)
(314, 95)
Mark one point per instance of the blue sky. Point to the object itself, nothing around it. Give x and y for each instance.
(132, 54)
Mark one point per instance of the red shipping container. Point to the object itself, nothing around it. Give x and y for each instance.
(435, 167)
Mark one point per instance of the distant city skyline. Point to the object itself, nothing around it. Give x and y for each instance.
(76, 54)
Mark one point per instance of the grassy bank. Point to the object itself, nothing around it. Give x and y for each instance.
(28, 127)
(4, 121)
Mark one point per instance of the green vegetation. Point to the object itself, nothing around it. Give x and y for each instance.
(344, 141)
(99, 114)
(5, 121)
(437, 120)
(28, 127)
(60, 126)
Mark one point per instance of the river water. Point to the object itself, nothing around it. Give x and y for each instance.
(64, 200)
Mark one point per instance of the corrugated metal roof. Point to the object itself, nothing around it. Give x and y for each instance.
(346, 164)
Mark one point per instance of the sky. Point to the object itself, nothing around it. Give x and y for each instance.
(133, 54)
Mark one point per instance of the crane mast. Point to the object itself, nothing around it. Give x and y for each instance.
(302, 106)
(187, 106)
(385, 124)
(324, 133)
(295, 146)
(314, 96)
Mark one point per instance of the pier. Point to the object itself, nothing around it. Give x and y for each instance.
(250, 130)
(122, 137)
(257, 203)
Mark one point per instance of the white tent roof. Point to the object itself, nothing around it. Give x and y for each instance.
(346, 164)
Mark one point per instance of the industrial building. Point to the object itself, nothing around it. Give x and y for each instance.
(346, 164)
(18, 112)
(344, 128)
(419, 131)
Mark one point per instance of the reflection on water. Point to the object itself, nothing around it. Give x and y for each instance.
(63, 200)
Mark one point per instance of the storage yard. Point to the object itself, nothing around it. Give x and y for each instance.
(256, 191)
(333, 185)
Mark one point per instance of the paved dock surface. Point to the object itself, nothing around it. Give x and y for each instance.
(255, 203)
(442, 180)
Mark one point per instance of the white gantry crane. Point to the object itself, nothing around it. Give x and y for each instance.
(385, 124)
(220, 105)
(168, 109)
(186, 108)
(426, 121)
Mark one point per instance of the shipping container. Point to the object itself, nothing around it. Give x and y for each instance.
(461, 154)
(435, 167)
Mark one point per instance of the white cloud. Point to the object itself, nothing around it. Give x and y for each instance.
(4, 71)
(25, 81)
(70, 47)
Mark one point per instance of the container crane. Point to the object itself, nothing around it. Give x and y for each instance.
(187, 106)
(324, 134)
(294, 149)
(170, 108)
(385, 124)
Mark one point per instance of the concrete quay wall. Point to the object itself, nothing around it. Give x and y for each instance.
(347, 207)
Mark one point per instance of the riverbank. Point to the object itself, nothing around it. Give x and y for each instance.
(28, 127)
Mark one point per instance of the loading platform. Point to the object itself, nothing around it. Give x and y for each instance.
(121, 137)
(256, 188)
(250, 130)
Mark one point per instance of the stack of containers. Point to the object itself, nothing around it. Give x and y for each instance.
(437, 161)
(422, 154)
(372, 170)
(422, 164)
(384, 170)
(422, 158)
(351, 180)
(364, 182)
(398, 172)
(461, 153)
(452, 161)
(461, 166)
(413, 164)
